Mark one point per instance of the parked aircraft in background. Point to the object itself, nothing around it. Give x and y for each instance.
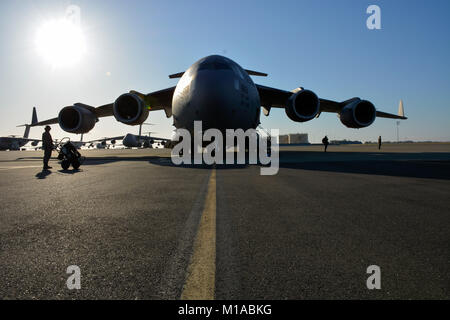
(140, 141)
(14, 142)
(79, 144)
(103, 142)
(221, 94)
(130, 140)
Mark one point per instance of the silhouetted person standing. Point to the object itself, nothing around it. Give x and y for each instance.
(47, 145)
(325, 143)
(379, 142)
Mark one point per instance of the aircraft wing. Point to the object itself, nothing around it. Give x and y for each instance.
(46, 122)
(151, 138)
(277, 98)
(25, 139)
(381, 114)
(105, 139)
(31, 140)
(158, 100)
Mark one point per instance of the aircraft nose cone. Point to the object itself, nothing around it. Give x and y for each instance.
(212, 101)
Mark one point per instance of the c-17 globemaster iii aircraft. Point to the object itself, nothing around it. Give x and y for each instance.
(129, 140)
(221, 94)
(15, 143)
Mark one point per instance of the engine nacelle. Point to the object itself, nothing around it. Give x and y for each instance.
(302, 106)
(130, 109)
(34, 143)
(358, 114)
(76, 119)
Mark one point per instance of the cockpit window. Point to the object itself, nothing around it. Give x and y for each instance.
(222, 66)
(237, 71)
(207, 65)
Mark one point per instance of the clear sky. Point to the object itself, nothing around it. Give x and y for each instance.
(321, 45)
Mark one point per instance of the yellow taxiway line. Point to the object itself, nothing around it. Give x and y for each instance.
(201, 274)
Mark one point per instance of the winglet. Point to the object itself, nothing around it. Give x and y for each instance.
(400, 115)
(401, 110)
(34, 119)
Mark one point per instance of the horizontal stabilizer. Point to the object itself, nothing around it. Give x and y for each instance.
(250, 72)
(256, 73)
(176, 75)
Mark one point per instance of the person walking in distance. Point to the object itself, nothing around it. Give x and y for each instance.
(325, 143)
(379, 142)
(47, 146)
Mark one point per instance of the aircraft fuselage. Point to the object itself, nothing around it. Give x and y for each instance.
(218, 92)
(10, 143)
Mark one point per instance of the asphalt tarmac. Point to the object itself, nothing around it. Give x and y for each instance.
(140, 227)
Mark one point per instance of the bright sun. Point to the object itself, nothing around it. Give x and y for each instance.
(60, 42)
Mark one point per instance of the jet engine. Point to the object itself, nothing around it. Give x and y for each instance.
(302, 106)
(34, 143)
(76, 119)
(130, 109)
(358, 114)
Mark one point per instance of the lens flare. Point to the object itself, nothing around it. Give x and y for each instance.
(60, 42)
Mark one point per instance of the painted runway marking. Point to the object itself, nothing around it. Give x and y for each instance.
(19, 167)
(171, 285)
(201, 274)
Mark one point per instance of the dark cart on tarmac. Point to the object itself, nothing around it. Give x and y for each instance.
(68, 154)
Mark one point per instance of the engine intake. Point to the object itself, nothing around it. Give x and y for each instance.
(358, 114)
(76, 119)
(130, 109)
(302, 106)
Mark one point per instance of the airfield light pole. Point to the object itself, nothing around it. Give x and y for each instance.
(398, 137)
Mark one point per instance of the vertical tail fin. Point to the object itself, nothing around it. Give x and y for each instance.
(27, 132)
(27, 126)
(34, 118)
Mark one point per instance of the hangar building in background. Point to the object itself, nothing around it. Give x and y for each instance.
(294, 138)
